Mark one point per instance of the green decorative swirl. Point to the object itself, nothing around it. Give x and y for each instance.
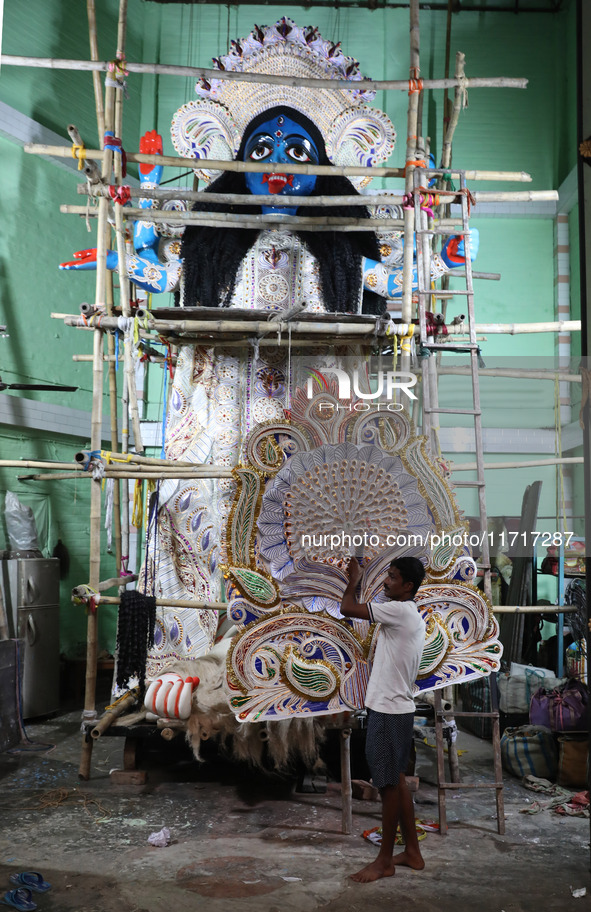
(254, 586)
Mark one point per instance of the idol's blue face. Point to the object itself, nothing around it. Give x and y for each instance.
(280, 140)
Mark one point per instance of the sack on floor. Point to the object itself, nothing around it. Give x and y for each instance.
(573, 760)
(562, 709)
(517, 686)
(529, 750)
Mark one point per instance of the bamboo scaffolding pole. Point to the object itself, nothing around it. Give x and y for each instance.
(376, 199)
(235, 220)
(533, 609)
(131, 474)
(411, 155)
(159, 476)
(129, 400)
(458, 103)
(216, 606)
(172, 603)
(114, 581)
(111, 470)
(96, 441)
(56, 476)
(120, 55)
(336, 330)
(279, 168)
(96, 76)
(153, 358)
(131, 458)
(163, 69)
(169, 734)
(125, 498)
(528, 464)
(296, 221)
(147, 471)
(515, 373)
(113, 712)
(38, 464)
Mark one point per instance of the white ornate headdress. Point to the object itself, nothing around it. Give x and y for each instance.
(213, 127)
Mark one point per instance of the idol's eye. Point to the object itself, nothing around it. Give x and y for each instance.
(261, 151)
(298, 153)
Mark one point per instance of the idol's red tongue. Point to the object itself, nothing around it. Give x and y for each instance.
(277, 182)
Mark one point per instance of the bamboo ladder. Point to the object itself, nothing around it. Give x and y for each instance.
(425, 232)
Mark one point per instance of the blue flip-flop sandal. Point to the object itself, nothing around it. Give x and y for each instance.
(19, 899)
(30, 879)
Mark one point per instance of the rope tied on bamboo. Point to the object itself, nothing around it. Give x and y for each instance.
(415, 84)
(470, 198)
(86, 595)
(94, 464)
(383, 326)
(435, 324)
(125, 571)
(406, 340)
(137, 323)
(115, 78)
(462, 89)
(110, 457)
(94, 319)
(113, 143)
(79, 153)
(427, 201)
(89, 457)
(415, 163)
(137, 511)
(121, 195)
(133, 692)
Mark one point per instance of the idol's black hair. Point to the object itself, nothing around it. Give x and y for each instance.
(212, 256)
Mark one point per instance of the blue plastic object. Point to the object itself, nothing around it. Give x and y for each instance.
(31, 879)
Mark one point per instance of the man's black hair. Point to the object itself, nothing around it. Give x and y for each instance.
(411, 570)
(212, 256)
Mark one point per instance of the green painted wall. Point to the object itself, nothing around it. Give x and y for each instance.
(505, 129)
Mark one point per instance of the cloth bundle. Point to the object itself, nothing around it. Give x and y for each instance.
(562, 709)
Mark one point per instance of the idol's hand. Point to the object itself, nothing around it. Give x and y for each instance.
(454, 252)
(150, 144)
(86, 259)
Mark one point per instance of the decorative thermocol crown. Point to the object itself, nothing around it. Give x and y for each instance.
(354, 133)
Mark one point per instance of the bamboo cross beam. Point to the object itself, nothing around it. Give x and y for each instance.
(527, 464)
(335, 330)
(335, 85)
(533, 609)
(172, 603)
(112, 458)
(376, 199)
(38, 464)
(234, 220)
(134, 475)
(258, 167)
(515, 373)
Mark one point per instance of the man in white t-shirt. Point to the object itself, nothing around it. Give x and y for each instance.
(390, 704)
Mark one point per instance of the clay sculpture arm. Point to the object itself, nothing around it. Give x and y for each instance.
(387, 280)
(144, 267)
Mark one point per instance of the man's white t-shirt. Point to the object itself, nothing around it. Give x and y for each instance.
(397, 657)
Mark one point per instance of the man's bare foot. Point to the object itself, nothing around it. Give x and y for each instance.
(409, 860)
(375, 871)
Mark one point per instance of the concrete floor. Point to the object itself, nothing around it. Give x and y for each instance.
(247, 842)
